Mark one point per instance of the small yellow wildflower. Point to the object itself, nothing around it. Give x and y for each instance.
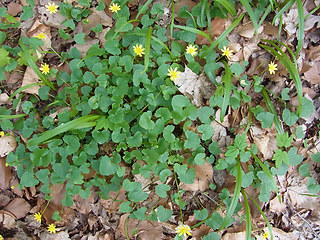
(45, 68)
(2, 134)
(138, 49)
(272, 68)
(192, 50)
(226, 52)
(52, 228)
(37, 216)
(12, 187)
(114, 7)
(183, 230)
(1, 238)
(52, 8)
(265, 235)
(7, 164)
(173, 73)
(40, 36)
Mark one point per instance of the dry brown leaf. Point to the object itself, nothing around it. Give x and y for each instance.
(193, 86)
(150, 230)
(3, 98)
(30, 77)
(59, 235)
(233, 236)
(5, 174)
(313, 54)
(217, 28)
(247, 30)
(178, 5)
(7, 145)
(7, 219)
(130, 225)
(85, 47)
(313, 74)
(50, 20)
(4, 199)
(278, 234)
(14, 8)
(18, 207)
(38, 28)
(110, 205)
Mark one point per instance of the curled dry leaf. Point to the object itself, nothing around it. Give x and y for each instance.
(247, 30)
(7, 219)
(30, 77)
(313, 74)
(7, 145)
(194, 86)
(18, 207)
(5, 174)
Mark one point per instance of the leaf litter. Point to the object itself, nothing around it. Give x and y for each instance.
(198, 89)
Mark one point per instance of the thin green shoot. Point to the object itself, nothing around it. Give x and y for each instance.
(248, 215)
(301, 26)
(147, 48)
(229, 6)
(2, 117)
(21, 89)
(196, 31)
(144, 8)
(227, 79)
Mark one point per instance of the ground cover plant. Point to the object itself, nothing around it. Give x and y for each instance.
(159, 119)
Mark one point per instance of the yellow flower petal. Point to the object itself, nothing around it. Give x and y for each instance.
(114, 7)
(45, 69)
(226, 52)
(138, 50)
(272, 67)
(52, 228)
(52, 8)
(37, 216)
(174, 74)
(183, 230)
(192, 50)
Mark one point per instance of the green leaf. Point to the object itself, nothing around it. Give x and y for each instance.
(125, 207)
(163, 214)
(288, 117)
(199, 158)
(164, 174)
(101, 6)
(26, 106)
(186, 176)
(280, 156)
(167, 134)
(72, 142)
(2, 37)
(247, 179)
(304, 170)
(193, 140)
(139, 214)
(284, 94)
(212, 235)
(284, 140)
(307, 107)
(27, 13)
(44, 92)
(145, 120)
(112, 46)
(266, 118)
(201, 214)
(157, 8)
(206, 130)
(122, 25)
(214, 221)
(79, 38)
(316, 157)
(28, 179)
(107, 166)
(161, 190)
(4, 59)
(205, 113)
(294, 157)
(312, 186)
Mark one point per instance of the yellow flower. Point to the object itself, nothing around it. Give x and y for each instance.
(2, 134)
(12, 187)
(52, 8)
(1, 238)
(265, 235)
(45, 68)
(114, 7)
(138, 49)
(37, 216)
(173, 73)
(192, 50)
(272, 67)
(7, 164)
(183, 230)
(40, 36)
(52, 228)
(226, 52)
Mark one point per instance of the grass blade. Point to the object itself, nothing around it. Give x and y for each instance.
(235, 197)
(251, 13)
(267, 172)
(24, 88)
(292, 69)
(248, 215)
(229, 6)
(144, 7)
(301, 26)
(263, 215)
(271, 109)
(223, 35)
(227, 79)
(147, 48)
(25, 53)
(2, 117)
(282, 10)
(193, 30)
(81, 122)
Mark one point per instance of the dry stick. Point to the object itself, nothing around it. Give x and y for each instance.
(303, 219)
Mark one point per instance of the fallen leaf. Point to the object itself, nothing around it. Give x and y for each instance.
(7, 145)
(30, 77)
(278, 234)
(313, 74)
(14, 8)
(5, 174)
(247, 30)
(7, 219)
(233, 236)
(217, 28)
(111, 205)
(18, 207)
(3, 98)
(194, 87)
